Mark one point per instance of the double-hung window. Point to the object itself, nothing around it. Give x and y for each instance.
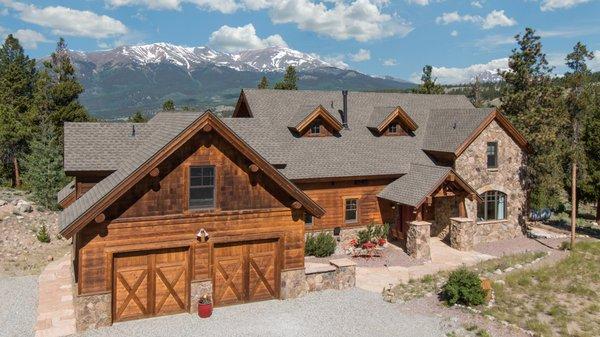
(202, 187)
(492, 155)
(351, 210)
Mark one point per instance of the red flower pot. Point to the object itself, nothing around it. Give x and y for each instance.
(368, 245)
(382, 242)
(205, 310)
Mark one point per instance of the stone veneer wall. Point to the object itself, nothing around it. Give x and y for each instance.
(92, 311)
(507, 178)
(444, 209)
(340, 274)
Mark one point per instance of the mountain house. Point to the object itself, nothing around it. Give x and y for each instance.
(189, 204)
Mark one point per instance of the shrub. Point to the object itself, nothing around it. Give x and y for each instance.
(320, 245)
(463, 287)
(372, 233)
(42, 234)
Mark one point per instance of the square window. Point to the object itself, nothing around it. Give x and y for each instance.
(393, 128)
(308, 219)
(492, 155)
(350, 214)
(202, 187)
(315, 128)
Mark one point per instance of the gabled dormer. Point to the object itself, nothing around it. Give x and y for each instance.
(391, 121)
(318, 122)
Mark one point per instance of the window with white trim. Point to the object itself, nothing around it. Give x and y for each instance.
(351, 210)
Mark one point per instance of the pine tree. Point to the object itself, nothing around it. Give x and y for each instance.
(168, 105)
(536, 107)
(17, 76)
(137, 117)
(289, 81)
(264, 83)
(475, 93)
(590, 140)
(57, 92)
(576, 79)
(44, 172)
(428, 85)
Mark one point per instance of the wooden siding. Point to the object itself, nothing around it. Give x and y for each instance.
(85, 181)
(154, 215)
(331, 196)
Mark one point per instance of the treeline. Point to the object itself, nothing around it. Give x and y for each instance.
(34, 105)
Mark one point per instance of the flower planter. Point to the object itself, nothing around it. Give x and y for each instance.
(381, 242)
(205, 310)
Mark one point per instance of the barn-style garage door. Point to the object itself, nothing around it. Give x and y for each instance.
(245, 272)
(150, 283)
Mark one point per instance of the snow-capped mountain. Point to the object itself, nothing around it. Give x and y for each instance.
(489, 76)
(120, 81)
(268, 59)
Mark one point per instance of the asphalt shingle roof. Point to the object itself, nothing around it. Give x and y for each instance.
(448, 128)
(66, 191)
(416, 185)
(379, 114)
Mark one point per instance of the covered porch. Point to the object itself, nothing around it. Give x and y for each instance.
(429, 201)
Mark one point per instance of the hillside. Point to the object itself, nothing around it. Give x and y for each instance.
(126, 79)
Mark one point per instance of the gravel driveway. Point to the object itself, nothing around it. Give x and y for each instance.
(328, 313)
(18, 305)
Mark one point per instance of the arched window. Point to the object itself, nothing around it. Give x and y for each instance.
(493, 206)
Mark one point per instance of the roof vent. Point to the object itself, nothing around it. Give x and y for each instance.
(345, 109)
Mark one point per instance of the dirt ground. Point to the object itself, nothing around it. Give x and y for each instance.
(21, 253)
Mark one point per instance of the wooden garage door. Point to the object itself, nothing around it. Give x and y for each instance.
(245, 272)
(150, 283)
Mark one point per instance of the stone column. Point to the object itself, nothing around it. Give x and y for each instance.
(462, 233)
(92, 311)
(417, 240)
(293, 284)
(345, 275)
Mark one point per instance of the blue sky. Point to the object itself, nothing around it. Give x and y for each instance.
(379, 37)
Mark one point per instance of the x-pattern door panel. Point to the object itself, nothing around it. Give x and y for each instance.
(150, 283)
(244, 272)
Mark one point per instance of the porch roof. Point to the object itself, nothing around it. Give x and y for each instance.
(421, 181)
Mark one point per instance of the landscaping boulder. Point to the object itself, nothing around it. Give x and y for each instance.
(24, 207)
(3, 202)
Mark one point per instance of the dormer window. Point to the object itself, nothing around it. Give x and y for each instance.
(315, 129)
(391, 121)
(393, 128)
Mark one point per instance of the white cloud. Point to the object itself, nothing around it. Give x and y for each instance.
(550, 5)
(454, 33)
(361, 55)
(233, 39)
(67, 21)
(493, 19)
(477, 4)
(224, 6)
(390, 62)
(418, 2)
(361, 20)
(452, 17)
(453, 75)
(497, 18)
(30, 38)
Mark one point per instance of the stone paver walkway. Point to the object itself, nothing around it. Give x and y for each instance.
(56, 315)
(443, 257)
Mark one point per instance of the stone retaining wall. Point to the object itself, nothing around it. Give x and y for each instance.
(339, 274)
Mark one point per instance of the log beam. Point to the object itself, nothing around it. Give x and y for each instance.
(100, 218)
(253, 168)
(155, 172)
(296, 205)
(207, 128)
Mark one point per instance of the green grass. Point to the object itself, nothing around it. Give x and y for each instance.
(558, 300)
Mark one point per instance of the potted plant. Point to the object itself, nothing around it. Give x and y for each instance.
(205, 307)
(381, 241)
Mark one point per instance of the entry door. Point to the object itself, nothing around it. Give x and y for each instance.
(150, 283)
(245, 272)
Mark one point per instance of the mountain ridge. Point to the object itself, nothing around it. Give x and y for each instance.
(125, 79)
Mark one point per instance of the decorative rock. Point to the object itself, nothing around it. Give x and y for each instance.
(501, 282)
(50, 258)
(518, 266)
(3, 202)
(498, 272)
